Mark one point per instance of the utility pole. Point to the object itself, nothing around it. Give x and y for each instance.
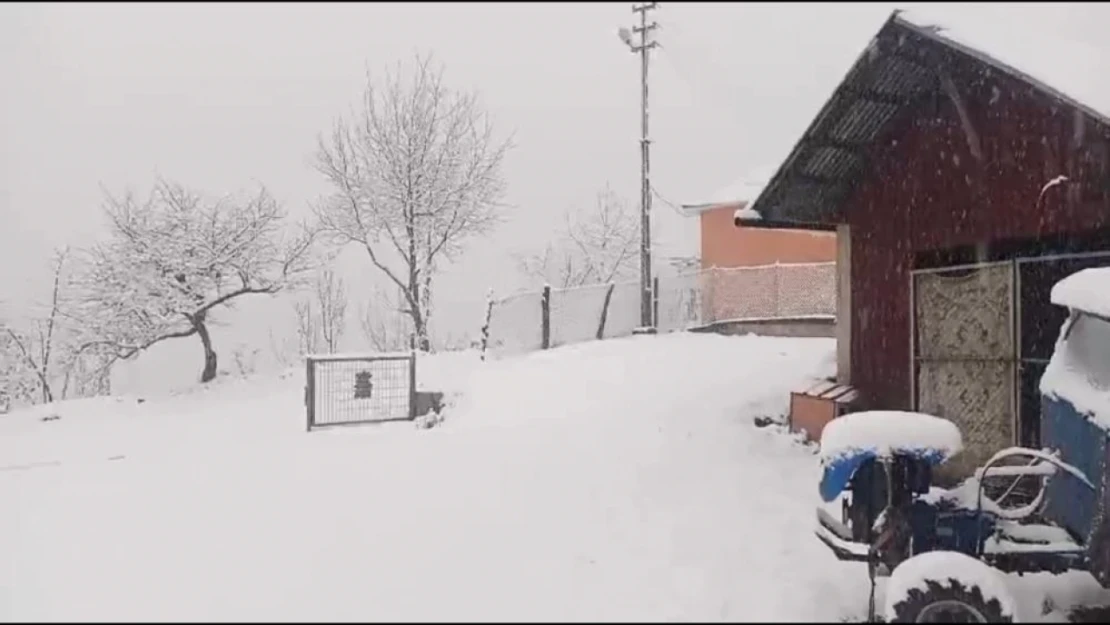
(643, 29)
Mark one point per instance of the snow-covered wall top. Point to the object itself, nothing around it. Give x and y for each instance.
(1069, 66)
(1086, 291)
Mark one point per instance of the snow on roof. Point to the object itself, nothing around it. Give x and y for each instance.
(887, 431)
(747, 213)
(1086, 291)
(744, 190)
(1070, 68)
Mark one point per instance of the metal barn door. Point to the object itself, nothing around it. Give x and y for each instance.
(964, 355)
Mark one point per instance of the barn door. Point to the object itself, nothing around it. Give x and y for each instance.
(964, 355)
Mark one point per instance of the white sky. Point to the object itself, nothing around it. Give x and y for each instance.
(222, 96)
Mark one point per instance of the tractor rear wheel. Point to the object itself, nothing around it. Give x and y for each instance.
(947, 603)
(947, 587)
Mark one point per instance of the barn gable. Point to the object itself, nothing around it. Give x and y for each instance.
(908, 72)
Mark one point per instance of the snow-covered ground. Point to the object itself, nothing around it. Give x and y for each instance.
(614, 480)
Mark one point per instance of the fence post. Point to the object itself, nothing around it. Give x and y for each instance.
(545, 322)
(309, 395)
(655, 303)
(412, 384)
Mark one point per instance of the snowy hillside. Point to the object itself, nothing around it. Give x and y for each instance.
(614, 480)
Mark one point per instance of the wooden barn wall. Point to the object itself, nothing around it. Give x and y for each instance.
(925, 191)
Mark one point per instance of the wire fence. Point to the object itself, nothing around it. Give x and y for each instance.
(576, 314)
(768, 292)
(516, 323)
(552, 317)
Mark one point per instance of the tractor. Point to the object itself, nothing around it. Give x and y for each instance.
(945, 550)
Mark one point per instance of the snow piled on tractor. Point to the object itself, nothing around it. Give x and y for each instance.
(884, 432)
(1079, 371)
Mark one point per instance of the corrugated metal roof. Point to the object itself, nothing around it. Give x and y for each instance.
(1069, 69)
(884, 83)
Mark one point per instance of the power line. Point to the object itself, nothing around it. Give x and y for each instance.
(671, 205)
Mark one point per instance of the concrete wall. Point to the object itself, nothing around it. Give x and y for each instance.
(803, 328)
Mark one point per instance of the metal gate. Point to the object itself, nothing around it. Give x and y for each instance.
(981, 336)
(964, 355)
(348, 390)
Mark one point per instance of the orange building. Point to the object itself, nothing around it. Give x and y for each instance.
(726, 243)
(763, 272)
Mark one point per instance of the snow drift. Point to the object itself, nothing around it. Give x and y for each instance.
(613, 480)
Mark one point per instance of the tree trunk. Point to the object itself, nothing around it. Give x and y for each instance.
(210, 361)
(604, 312)
(420, 328)
(419, 321)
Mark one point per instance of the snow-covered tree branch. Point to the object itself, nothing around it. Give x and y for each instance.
(41, 354)
(18, 382)
(595, 247)
(416, 174)
(176, 258)
(332, 300)
(36, 347)
(308, 331)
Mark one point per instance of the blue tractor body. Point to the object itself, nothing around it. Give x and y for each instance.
(892, 513)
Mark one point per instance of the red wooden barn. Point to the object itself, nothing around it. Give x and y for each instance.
(961, 188)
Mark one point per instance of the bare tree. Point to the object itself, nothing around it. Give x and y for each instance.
(322, 317)
(18, 384)
(44, 360)
(595, 247)
(37, 348)
(308, 331)
(383, 323)
(332, 300)
(176, 258)
(416, 174)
